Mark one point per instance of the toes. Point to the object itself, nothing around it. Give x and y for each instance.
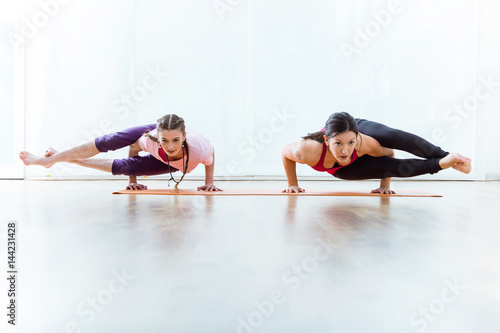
(458, 157)
(463, 158)
(50, 151)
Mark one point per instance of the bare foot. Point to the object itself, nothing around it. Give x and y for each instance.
(457, 162)
(464, 167)
(50, 151)
(32, 159)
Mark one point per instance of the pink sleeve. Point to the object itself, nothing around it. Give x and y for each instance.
(202, 148)
(209, 149)
(206, 149)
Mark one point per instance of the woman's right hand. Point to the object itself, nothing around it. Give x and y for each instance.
(135, 186)
(293, 189)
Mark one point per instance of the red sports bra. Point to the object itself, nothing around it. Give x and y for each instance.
(162, 154)
(320, 167)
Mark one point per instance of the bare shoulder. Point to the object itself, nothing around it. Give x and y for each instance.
(307, 151)
(369, 146)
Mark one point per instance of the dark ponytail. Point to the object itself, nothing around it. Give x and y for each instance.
(316, 136)
(338, 122)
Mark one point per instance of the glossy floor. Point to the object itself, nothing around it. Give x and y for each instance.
(96, 262)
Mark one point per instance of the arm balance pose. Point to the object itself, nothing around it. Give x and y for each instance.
(171, 148)
(356, 149)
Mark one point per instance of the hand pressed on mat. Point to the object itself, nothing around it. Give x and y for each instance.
(135, 186)
(209, 188)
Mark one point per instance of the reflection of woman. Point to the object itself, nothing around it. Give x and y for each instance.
(171, 148)
(357, 149)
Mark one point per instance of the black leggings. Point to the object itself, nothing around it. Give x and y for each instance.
(368, 167)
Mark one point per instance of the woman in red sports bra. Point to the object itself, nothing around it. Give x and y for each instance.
(320, 166)
(356, 149)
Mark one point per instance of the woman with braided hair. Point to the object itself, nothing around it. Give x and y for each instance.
(356, 149)
(170, 145)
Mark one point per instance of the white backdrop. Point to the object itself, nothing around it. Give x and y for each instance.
(253, 75)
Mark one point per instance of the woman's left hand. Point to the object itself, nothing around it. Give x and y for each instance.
(209, 188)
(383, 190)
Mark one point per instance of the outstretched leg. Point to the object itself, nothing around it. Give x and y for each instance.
(101, 144)
(102, 164)
(397, 139)
(401, 140)
(369, 167)
(93, 163)
(80, 152)
(146, 165)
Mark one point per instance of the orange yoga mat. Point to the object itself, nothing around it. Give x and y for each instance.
(400, 193)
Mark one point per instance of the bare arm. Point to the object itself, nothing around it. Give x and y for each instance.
(133, 151)
(385, 183)
(292, 154)
(209, 177)
(370, 146)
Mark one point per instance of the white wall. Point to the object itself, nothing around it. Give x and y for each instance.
(488, 112)
(253, 75)
(7, 96)
(11, 96)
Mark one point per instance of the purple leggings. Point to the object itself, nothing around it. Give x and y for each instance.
(133, 166)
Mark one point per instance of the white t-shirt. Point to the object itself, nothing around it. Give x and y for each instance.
(200, 150)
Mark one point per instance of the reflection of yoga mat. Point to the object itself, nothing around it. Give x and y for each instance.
(278, 192)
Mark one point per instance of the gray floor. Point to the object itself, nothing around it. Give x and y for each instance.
(117, 263)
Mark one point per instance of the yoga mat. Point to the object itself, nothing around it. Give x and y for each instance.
(400, 193)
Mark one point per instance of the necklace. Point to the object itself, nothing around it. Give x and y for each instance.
(170, 168)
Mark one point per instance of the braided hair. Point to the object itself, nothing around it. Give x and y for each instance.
(185, 166)
(172, 122)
